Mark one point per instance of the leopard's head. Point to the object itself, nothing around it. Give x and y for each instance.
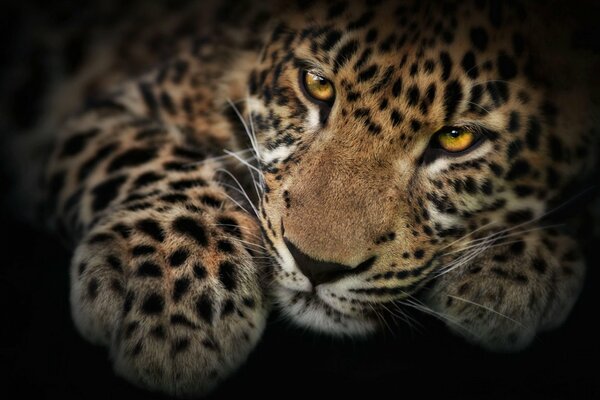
(388, 133)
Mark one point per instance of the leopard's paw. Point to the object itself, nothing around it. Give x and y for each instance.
(176, 296)
(502, 299)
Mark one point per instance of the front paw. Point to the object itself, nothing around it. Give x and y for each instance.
(176, 296)
(503, 298)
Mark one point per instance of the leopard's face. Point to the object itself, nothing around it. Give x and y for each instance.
(387, 133)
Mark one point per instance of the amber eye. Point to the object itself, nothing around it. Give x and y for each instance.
(455, 140)
(318, 88)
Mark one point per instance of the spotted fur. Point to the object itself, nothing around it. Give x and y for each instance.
(349, 214)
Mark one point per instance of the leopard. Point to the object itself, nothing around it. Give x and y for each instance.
(337, 161)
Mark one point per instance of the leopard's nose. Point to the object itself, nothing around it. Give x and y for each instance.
(320, 272)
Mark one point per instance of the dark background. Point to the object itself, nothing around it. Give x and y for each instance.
(43, 355)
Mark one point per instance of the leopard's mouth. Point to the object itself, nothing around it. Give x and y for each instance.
(312, 310)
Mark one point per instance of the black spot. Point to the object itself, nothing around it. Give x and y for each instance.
(188, 183)
(452, 97)
(331, 40)
(230, 226)
(149, 270)
(106, 192)
(539, 265)
(211, 201)
(180, 319)
(77, 142)
(396, 118)
(514, 148)
(137, 349)
(496, 169)
(470, 185)
(100, 238)
(193, 154)
(158, 332)
(128, 302)
(114, 263)
(415, 125)
(148, 97)
(533, 133)
(367, 74)
(199, 271)
(517, 248)
(166, 101)
(498, 91)
(469, 64)
(345, 53)
(479, 38)
(178, 257)
(487, 187)
(227, 275)
(151, 228)
(153, 304)
(179, 345)
(228, 308)
(413, 95)
(419, 254)
(397, 87)
(92, 288)
(180, 288)
(446, 62)
(147, 178)
(519, 169)
(519, 216)
(130, 329)
(506, 66)
(371, 35)
(174, 198)
(249, 302)
(189, 227)
(225, 246)
(523, 190)
(204, 308)
(131, 158)
(142, 250)
(514, 123)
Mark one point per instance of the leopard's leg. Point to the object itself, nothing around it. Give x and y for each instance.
(513, 291)
(167, 270)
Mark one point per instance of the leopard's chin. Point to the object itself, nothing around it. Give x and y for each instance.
(308, 310)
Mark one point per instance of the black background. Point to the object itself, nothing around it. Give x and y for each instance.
(43, 355)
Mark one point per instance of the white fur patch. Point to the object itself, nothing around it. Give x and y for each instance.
(312, 313)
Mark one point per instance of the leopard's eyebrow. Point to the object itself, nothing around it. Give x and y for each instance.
(311, 66)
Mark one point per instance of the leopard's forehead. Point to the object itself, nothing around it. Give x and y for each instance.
(409, 67)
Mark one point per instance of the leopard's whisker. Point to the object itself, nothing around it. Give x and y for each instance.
(241, 189)
(249, 243)
(474, 242)
(221, 157)
(441, 316)
(237, 203)
(469, 234)
(486, 308)
(245, 125)
(462, 260)
(480, 106)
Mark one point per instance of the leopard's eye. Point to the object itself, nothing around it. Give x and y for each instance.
(455, 140)
(318, 88)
